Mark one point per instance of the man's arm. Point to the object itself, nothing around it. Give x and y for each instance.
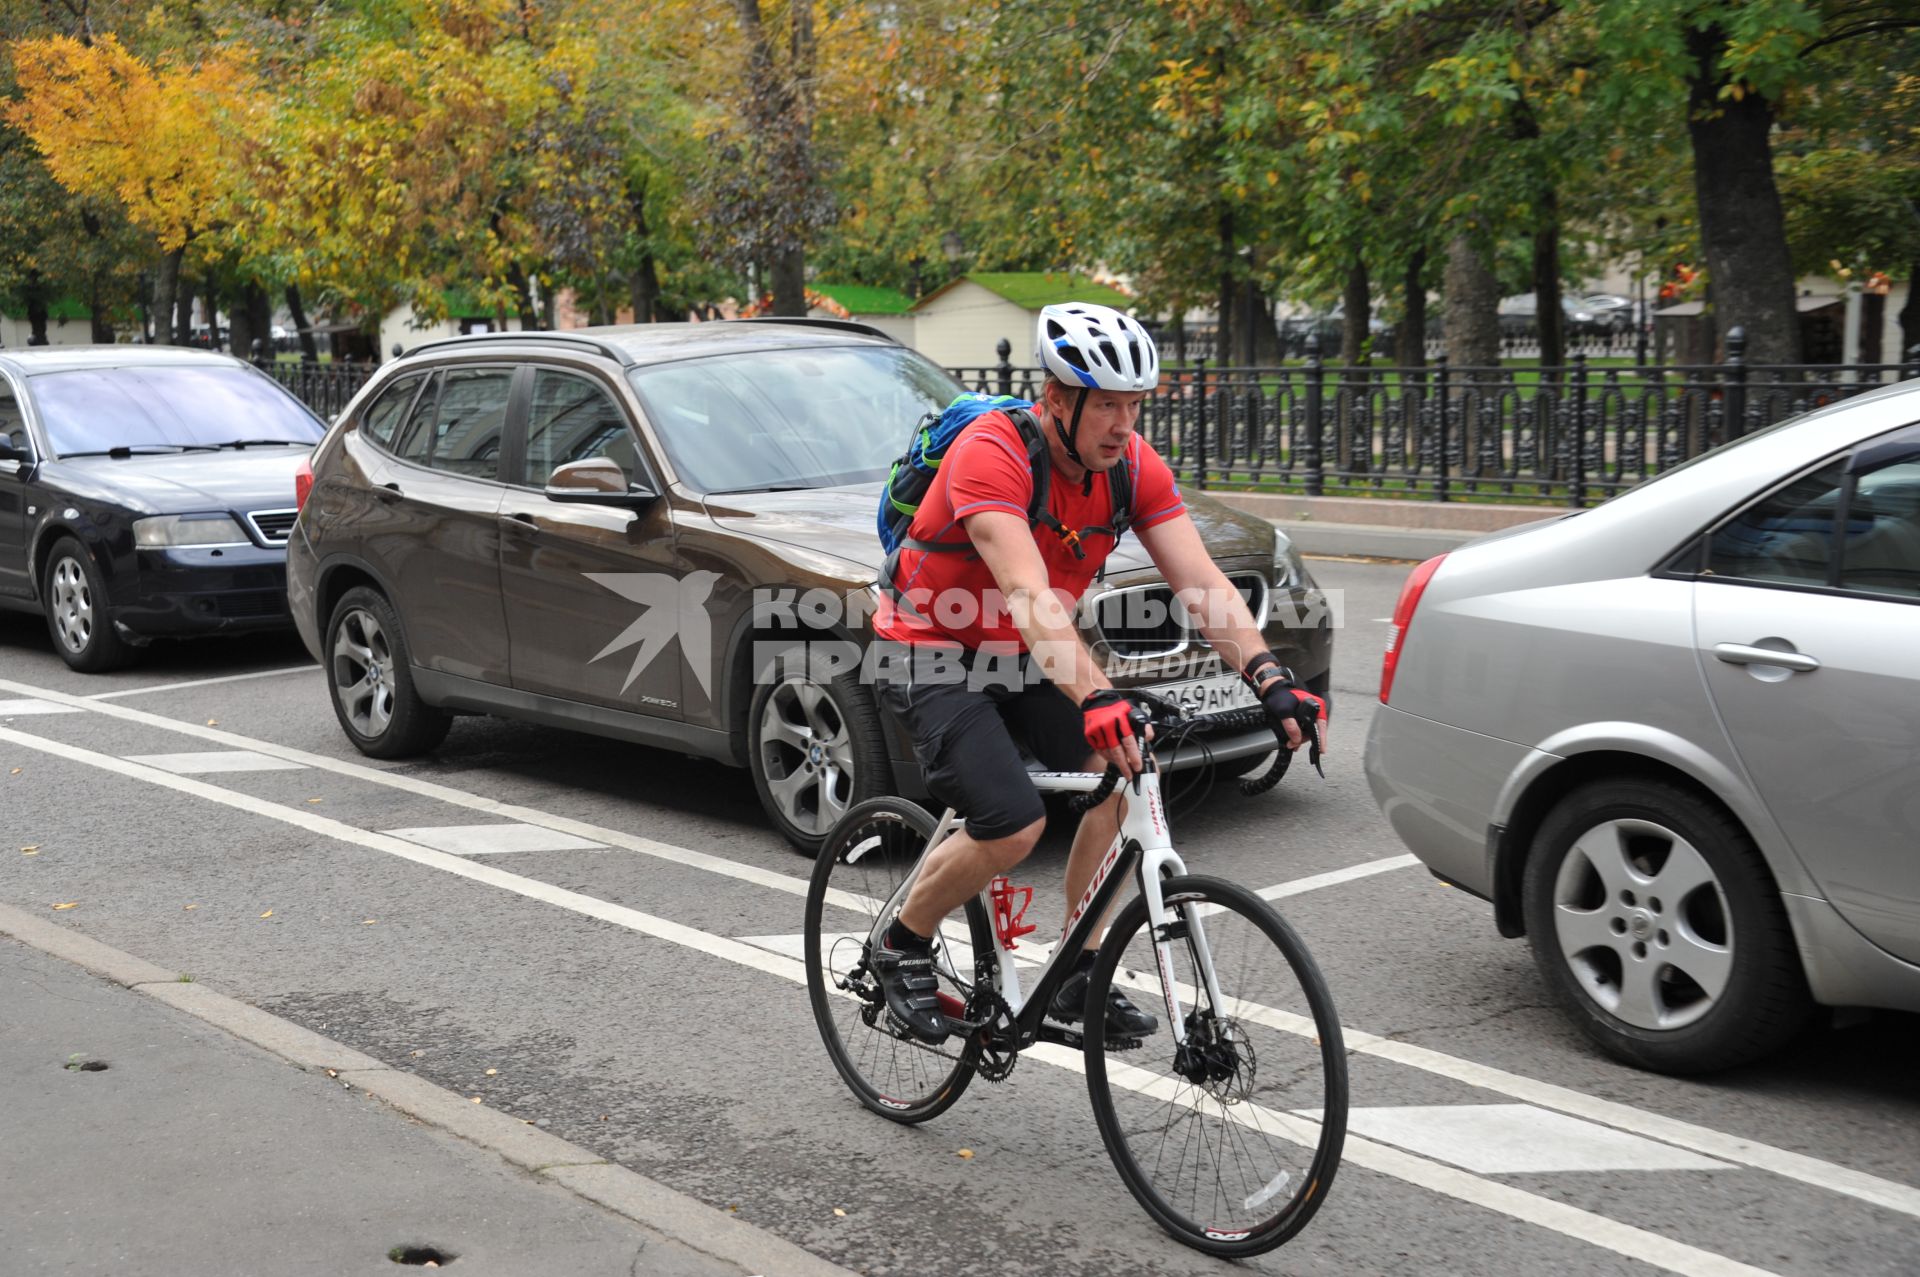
(1181, 556)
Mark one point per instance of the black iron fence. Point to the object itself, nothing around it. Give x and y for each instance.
(1571, 435)
(325, 388)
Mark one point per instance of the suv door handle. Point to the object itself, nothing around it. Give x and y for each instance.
(1741, 654)
(523, 519)
(389, 489)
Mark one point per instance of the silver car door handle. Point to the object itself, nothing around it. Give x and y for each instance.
(1741, 654)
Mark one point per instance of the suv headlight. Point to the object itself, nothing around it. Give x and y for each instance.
(187, 529)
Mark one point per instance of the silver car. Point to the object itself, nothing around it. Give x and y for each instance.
(1675, 740)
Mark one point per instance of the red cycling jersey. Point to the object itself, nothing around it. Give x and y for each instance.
(952, 596)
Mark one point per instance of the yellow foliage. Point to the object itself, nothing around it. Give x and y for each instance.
(114, 127)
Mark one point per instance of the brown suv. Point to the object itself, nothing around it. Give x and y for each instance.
(666, 534)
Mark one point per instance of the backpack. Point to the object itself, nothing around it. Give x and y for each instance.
(912, 475)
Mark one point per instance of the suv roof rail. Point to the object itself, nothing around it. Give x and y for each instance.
(539, 337)
(845, 325)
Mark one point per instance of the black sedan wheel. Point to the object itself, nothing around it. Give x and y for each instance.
(78, 615)
(815, 746)
(372, 683)
(1655, 920)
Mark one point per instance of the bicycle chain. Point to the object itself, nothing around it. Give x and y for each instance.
(992, 1065)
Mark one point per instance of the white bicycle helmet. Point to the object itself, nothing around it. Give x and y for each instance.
(1095, 348)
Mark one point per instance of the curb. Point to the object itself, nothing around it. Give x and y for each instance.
(647, 1203)
(1364, 541)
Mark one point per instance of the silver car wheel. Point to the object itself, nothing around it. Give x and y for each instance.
(363, 672)
(72, 605)
(806, 755)
(1643, 924)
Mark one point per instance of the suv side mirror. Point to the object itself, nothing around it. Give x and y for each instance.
(598, 481)
(14, 447)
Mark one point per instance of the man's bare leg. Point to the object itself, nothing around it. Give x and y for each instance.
(956, 871)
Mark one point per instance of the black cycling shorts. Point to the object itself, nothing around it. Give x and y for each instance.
(964, 728)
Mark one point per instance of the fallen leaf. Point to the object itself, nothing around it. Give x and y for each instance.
(30, 848)
(16, 771)
(418, 1054)
(966, 1152)
(605, 1118)
(333, 1072)
(69, 905)
(267, 914)
(193, 906)
(213, 722)
(369, 922)
(476, 1099)
(316, 800)
(492, 1072)
(839, 1212)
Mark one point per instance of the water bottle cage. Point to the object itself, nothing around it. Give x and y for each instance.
(1008, 918)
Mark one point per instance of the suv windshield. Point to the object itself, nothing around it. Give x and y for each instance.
(809, 418)
(99, 409)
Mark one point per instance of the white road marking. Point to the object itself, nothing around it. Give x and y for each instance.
(21, 708)
(225, 760)
(1818, 1173)
(1447, 1181)
(494, 840)
(1515, 1139)
(205, 682)
(1335, 877)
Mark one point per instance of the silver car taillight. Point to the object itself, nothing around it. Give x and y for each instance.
(1402, 617)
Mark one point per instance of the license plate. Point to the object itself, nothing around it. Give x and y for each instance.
(1208, 695)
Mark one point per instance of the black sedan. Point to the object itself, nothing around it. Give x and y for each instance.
(145, 491)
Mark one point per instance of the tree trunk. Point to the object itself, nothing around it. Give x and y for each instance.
(1223, 329)
(1473, 305)
(1548, 315)
(523, 298)
(309, 348)
(240, 332)
(183, 302)
(36, 298)
(1910, 315)
(1742, 227)
(1356, 306)
(166, 289)
(1410, 350)
(789, 276)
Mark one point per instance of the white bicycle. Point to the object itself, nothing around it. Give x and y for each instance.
(1226, 1124)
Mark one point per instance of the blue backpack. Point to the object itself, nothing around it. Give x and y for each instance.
(914, 470)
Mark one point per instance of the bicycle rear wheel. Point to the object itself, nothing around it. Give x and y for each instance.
(866, 856)
(1230, 1142)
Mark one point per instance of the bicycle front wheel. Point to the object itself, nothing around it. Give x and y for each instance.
(1231, 1137)
(866, 856)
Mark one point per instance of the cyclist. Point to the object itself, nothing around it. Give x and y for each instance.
(976, 642)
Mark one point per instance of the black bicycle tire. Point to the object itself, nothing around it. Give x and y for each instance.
(821, 998)
(1301, 1207)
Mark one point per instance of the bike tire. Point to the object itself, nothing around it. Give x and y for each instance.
(1233, 1147)
(865, 857)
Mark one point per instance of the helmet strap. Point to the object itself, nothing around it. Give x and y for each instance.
(1070, 434)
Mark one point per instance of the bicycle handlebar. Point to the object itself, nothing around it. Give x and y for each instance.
(1170, 723)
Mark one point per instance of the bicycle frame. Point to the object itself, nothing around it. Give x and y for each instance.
(1143, 845)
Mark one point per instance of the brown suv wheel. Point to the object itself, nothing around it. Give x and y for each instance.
(371, 683)
(815, 746)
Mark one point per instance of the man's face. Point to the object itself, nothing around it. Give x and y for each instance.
(1106, 423)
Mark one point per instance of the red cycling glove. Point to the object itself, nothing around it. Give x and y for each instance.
(1107, 718)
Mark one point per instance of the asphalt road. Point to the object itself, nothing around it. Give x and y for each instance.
(606, 992)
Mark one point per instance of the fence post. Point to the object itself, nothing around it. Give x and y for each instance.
(1004, 349)
(1200, 423)
(1441, 376)
(1316, 420)
(1577, 490)
(1733, 396)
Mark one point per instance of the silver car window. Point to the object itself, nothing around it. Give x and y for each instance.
(1785, 539)
(1882, 551)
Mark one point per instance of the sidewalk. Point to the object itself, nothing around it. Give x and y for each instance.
(1381, 528)
(221, 1140)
